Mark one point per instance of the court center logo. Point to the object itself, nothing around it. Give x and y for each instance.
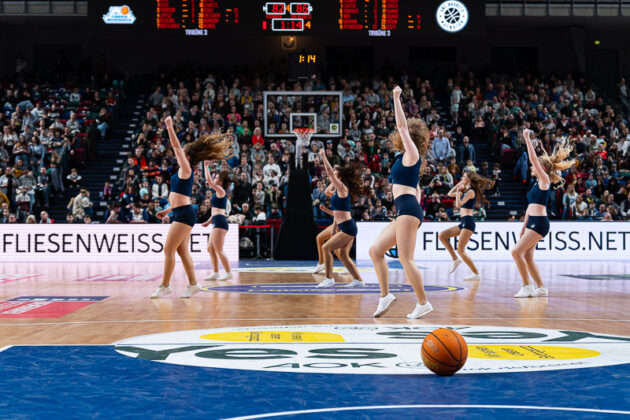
(452, 16)
(310, 289)
(376, 349)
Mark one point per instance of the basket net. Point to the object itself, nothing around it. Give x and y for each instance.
(303, 135)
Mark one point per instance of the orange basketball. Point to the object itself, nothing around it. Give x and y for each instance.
(444, 351)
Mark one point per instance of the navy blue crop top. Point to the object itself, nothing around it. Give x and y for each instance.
(338, 203)
(470, 204)
(405, 175)
(219, 203)
(538, 196)
(182, 186)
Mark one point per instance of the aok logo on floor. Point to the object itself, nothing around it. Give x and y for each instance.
(375, 349)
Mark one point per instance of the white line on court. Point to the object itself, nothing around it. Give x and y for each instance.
(5, 348)
(450, 319)
(394, 407)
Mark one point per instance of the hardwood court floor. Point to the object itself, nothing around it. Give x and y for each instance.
(269, 345)
(585, 296)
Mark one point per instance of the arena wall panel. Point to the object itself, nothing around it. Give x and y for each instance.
(35, 243)
(493, 241)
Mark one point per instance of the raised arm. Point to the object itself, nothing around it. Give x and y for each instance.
(540, 171)
(184, 165)
(335, 182)
(212, 181)
(411, 155)
(330, 190)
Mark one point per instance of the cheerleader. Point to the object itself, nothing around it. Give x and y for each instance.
(219, 223)
(325, 234)
(347, 183)
(469, 190)
(183, 216)
(545, 171)
(412, 140)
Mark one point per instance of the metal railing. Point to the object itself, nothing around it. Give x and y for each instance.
(559, 8)
(43, 7)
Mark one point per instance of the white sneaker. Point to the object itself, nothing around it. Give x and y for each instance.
(319, 268)
(454, 265)
(212, 277)
(542, 292)
(228, 276)
(473, 277)
(420, 310)
(355, 283)
(191, 290)
(526, 291)
(384, 304)
(325, 284)
(161, 291)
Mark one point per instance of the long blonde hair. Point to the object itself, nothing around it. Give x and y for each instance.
(557, 161)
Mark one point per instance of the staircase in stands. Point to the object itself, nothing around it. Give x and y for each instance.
(112, 154)
(512, 194)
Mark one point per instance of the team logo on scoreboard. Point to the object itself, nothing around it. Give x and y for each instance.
(383, 349)
(452, 16)
(119, 15)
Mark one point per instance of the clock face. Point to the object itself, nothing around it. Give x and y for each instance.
(289, 42)
(452, 16)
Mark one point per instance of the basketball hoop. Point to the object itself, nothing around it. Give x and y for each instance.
(303, 135)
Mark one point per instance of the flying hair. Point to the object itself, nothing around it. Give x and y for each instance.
(208, 147)
(479, 184)
(557, 161)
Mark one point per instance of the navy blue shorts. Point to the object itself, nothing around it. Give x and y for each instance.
(407, 205)
(184, 214)
(468, 222)
(539, 224)
(349, 227)
(219, 221)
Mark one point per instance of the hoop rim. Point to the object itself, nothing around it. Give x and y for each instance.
(303, 130)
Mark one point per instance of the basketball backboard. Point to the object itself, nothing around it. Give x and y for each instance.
(287, 110)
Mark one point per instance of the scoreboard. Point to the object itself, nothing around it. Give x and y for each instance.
(364, 18)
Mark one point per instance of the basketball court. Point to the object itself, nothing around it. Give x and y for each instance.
(269, 345)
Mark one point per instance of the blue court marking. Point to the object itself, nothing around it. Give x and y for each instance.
(95, 381)
(599, 276)
(245, 264)
(309, 289)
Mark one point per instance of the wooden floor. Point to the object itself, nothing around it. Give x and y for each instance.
(587, 304)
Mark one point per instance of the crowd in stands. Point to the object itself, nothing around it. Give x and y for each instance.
(47, 132)
(472, 110)
(44, 129)
(496, 109)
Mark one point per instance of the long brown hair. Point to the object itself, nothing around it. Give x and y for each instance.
(351, 175)
(208, 147)
(557, 161)
(419, 133)
(224, 179)
(479, 184)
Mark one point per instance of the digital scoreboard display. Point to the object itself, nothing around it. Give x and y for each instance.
(379, 17)
(333, 18)
(322, 17)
